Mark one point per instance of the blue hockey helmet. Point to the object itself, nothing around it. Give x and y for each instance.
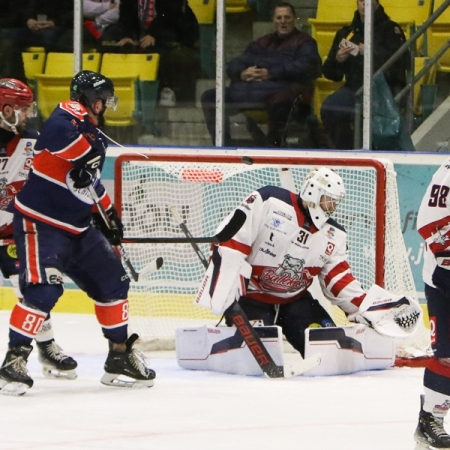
(87, 87)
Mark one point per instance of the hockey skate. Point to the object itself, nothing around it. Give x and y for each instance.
(127, 368)
(55, 364)
(430, 433)
(14, 378)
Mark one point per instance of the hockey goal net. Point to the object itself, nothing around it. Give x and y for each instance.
(205, 188)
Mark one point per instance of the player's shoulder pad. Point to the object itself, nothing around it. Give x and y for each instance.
(74, 108)
(275, 192)
(333, 223)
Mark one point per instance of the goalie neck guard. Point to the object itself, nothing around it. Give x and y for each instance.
(322, 182)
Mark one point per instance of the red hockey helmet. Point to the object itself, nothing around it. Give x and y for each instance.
(15, 93)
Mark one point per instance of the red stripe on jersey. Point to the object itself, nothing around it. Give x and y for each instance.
(429, 229)
(105, 201)
(342, 284)
(26, 321)
(358, 300)
(112, 315)
(52, 166)
(32, 252)
(77, 148)
(239, 246)
(435, 366)
(47, 220)
(337, 270)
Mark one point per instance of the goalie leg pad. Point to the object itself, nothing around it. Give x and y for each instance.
(225, 280)
(222, 349)
(348, 349)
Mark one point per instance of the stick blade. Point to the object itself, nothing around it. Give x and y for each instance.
(151, 267)
(300, 367)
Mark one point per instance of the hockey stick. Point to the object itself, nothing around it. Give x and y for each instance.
(153, 266)
(224, 235)
(246, 330)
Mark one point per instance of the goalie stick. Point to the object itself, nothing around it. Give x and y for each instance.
(244, 327)
(153, 266)
(224, 235)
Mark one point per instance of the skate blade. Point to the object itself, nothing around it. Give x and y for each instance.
(117, 380)
(13, 388)
(422, 446)
(51, 372)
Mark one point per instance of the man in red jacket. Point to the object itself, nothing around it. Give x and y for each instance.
(273, 71)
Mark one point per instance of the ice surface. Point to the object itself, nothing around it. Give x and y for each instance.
(189, 410)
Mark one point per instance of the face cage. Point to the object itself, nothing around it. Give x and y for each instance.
(111, 102)
(329, 204)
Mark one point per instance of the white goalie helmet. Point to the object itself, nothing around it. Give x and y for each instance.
(322, 182)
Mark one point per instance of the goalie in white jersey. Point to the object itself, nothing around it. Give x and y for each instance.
(16, 155)
(433, 224)
(281, 240)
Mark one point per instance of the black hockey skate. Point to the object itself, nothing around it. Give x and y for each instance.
(430, 433)
(14, 378)
(55, 364)
(127, 368)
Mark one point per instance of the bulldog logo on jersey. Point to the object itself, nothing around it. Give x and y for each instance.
(289, 276)
(7, 193)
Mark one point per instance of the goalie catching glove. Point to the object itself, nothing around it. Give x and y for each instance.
(388, 314)
(114, 234)
(225, 280)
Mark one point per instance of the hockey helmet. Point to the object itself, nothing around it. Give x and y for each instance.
(319, 183)
(16, 94)
(87, 87)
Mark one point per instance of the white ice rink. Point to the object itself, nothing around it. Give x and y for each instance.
(188, 410)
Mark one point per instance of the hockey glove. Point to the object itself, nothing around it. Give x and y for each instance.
(113, 234)
(441, 275)
(85, 169)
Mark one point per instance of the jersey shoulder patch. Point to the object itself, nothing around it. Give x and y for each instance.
(74, 108)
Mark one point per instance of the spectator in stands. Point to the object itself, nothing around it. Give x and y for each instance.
(11, 63)
(45, 23)
(274, 70)
(98, 17)
(347, 61)
(170, 28)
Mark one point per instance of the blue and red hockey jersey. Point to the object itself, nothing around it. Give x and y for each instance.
(49, 196)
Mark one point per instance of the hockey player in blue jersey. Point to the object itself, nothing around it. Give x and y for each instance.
(58, 231)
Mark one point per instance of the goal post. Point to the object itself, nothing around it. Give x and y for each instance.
(203, 189)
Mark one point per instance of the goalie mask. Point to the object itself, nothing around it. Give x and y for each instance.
(322, 190)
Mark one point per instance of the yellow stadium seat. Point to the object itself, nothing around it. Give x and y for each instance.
(236, 6)
(135, 84)
(409, 15)
(323, 89)
(330, 17)
(205, 11)
(53, 86)
(34, 63)
(437, 35)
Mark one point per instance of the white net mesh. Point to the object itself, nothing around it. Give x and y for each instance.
(204, 192)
